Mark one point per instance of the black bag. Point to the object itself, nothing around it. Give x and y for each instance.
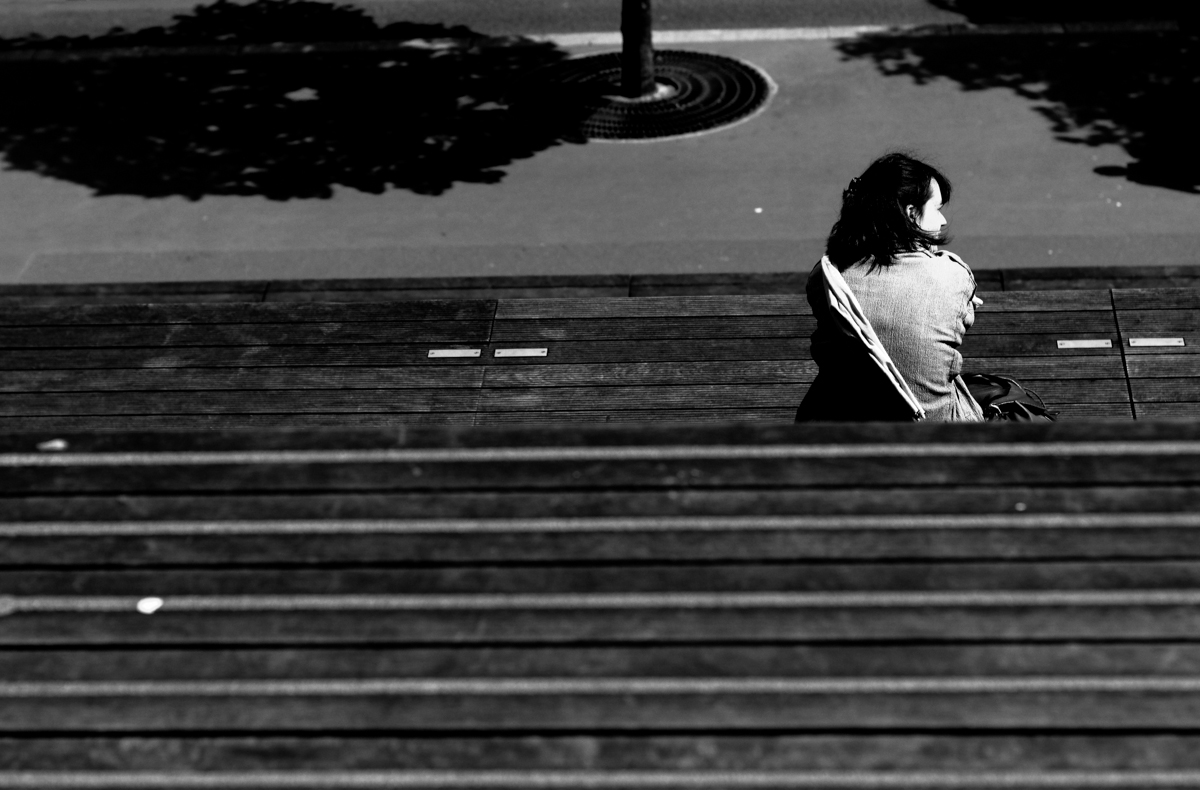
(1005, 399)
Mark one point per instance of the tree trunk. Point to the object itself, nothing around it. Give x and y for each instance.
(637, 56)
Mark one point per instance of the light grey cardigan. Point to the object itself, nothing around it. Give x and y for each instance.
(920, 308)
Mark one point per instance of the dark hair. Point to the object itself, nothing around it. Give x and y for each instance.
(873, 223)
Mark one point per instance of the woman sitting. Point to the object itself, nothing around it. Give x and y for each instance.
(891, 308)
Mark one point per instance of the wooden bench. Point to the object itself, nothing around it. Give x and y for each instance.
(558, 286)
(865, 606)
(680, 358)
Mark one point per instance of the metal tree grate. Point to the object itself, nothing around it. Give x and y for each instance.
(698, 92)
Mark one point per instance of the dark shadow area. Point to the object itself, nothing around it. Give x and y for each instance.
(220, 120)
(985, 12)
(1136, 90)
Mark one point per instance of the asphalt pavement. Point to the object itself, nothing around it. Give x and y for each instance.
(1046, 172)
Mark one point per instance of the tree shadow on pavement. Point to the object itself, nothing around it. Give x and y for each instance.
(983, 12)
(225, 118)
(1134, 90)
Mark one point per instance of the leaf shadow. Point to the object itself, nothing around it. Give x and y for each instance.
(209, 105)
(1133, 90)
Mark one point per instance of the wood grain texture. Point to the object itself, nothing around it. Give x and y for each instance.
(1171, 659)
(566, 417)
(1045, 301)
(1158, 365)
(613, 502)
(254, 356)
(874, 751)
(665, 577)
(1058, 367)
(796, 711)
(681, 328)
(1033, 321)
(576, 622)
(247, 313)
(978, 345)
(1159, 322)
(379, 401)
(268, 379)
(690, 350)
(1150, 390)
(59, 423)
(1156, 298)
(972, 467)
(322, 285)
(417, 294)
(174, 335)
(700, 396)
(1167, 411)
(999, 536)
(654, 307)
(652, 374)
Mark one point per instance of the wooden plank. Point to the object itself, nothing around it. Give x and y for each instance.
(1002, 616)
(666, 577)
(649, 373)
(167, 336)
(1156, 298)
(177, 379)
(1160, 365)
(651, 285)
(456, 284)
(653, 307)
(1154, 322)
(614, 501)
(1059, 367)
(247, 313)
(1084, 391)
(1010, 535)
(1134, 703)
(1171, 659)
(1032, 321)
(734, 396)
(49, 294)
(1045, 301)
(1037, 345)
(1093, 411)
(400, 294)
(56, 424)
(850, 435)
(780, 415)
(1168, 411)
(883, 757)
(379, 401)
(694, 350)
(315, 356)
(871, 754)
(1026, 279)
(602, 471)
(1152, 390)
(682, 328)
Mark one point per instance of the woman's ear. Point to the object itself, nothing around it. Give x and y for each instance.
(911, 211)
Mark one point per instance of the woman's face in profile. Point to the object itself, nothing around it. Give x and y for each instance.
(930, 218)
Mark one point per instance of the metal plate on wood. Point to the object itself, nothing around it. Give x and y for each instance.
(1155, 341)
(1085, 343)
(449, 353)
(521, 352)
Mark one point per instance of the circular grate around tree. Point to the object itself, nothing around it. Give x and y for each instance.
(698, 92)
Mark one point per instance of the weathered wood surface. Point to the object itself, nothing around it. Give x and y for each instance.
(563, 286)
(859, 605)
(1163, 380)
(685, 358)
(593, 756)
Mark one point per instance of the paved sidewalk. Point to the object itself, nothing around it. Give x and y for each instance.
(756, 197)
